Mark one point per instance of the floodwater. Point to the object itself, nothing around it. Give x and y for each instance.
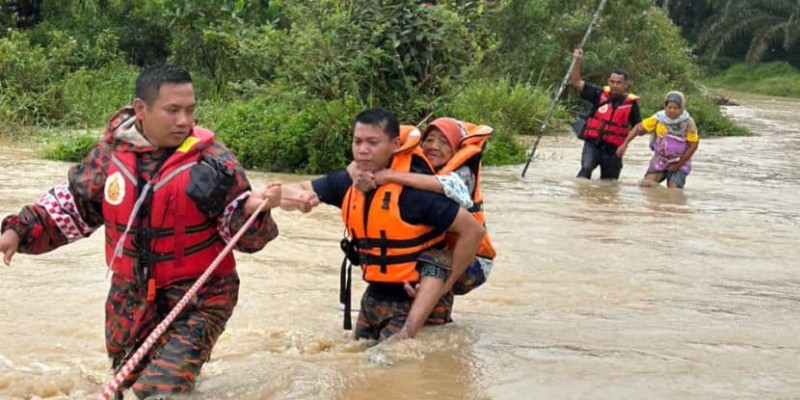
(600, 290)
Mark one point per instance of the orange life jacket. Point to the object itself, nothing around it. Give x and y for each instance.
(609, 123)
(388, 246)
(469, 152)
(183, 241)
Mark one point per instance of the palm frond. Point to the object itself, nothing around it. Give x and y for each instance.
(762, 41)
(728, 31)
(792, 30)
(765, 22)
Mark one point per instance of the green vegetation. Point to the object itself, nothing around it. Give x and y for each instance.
(279, 81)
(776, 78)
(766, 23)
(72, 147)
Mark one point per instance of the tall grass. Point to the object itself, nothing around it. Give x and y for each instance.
(511, 109)
(777, 78)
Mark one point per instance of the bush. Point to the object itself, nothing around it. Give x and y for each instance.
(287, 132)
(511, 109)
(73, 148)
(146, 40)
(518, 108)
(91, 96)
(27, 76)
(227, 40)
(398, 55)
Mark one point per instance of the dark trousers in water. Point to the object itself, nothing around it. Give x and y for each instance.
(602, 154)
(174, 362)
(385, 307)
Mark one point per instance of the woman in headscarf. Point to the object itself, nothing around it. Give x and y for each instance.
(674, 145)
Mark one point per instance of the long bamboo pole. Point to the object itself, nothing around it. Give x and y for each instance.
(563, 84)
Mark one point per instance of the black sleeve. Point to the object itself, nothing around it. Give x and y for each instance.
(428, 208)
(636, 115)
(331, 188)
(591, 93)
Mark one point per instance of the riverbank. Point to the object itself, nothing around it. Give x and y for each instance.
(772, 79)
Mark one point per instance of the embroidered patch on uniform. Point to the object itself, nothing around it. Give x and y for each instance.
(115, 189)
(603, 109)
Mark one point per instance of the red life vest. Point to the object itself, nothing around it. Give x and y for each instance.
(469, 152)
(183, 240)
(609, 123)
(388, 246)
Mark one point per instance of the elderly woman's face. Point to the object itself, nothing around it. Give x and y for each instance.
(436, 148)
(672, 110)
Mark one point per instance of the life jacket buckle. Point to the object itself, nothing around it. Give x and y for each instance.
(350, 250)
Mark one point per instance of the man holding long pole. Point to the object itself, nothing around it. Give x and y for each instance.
(615, 111)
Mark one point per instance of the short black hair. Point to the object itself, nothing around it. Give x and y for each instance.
(620, 71)
(382, 118)
(151, 78)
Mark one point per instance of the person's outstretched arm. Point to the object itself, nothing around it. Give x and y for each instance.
(366, 181)
(632, 134)
(69, 211)
(451, 185)
(299, 196)
(413, 179)
(647, 125)
(575, 75)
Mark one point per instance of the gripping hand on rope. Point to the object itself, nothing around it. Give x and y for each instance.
(271, 193)
(299, 196)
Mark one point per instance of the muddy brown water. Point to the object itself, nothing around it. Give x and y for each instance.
(600, 290)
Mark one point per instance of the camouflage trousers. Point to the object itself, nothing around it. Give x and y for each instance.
(382, 316)
(174, 362)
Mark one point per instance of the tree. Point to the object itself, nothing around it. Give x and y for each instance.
(28, 12)
(690, 15)
(767, 24)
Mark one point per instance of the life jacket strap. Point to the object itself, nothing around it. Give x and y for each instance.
(371, 259)
(155, 257)
(162, 232)
(382, 261)
(369, 243)
(345, 295)
(476, 207)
